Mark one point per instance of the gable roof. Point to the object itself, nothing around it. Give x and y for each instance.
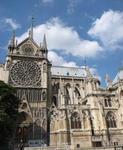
(27, 40)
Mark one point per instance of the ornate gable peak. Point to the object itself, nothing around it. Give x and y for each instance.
(25, 41)
(28, 47)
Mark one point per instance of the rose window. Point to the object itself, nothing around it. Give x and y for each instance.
(25, 73)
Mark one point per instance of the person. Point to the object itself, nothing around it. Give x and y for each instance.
(21, 145)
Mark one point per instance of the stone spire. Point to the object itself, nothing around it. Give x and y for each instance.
(31, 30)
(44, 47)
(12, 42)
(44, 43)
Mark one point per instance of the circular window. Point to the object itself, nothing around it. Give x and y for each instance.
(25, 73)
(27, 49)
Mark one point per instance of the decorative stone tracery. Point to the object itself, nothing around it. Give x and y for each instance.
(27, 49)
(25, 73)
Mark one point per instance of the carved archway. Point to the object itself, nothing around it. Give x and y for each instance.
(24, 127)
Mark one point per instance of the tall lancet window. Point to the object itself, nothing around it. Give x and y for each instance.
(67, 94)
(54, 101)
(108, 103)
(75, 121)
(77, 93)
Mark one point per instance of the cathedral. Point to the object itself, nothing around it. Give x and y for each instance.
(61, 106)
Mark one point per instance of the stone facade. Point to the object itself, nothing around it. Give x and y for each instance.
(62, 105)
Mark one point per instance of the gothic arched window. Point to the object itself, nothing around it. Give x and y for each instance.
(44, 67)
(68, 86)
(75, 121)
(110, 120)
(121, 94)
(108, 103)
(44, 96)
(67, 97)
(77, 93)
(55, 87)
(54, 100)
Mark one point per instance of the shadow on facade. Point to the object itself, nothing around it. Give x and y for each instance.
(27, 129)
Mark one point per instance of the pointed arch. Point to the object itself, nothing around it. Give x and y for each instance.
(68, 85)
(111, 120)
(77, 92)
(44, 66)
(43, 96)
(54, 100)
(75, 121)
(108, 102)
(23, 127)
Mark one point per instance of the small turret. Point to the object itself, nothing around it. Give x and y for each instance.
(11, 45)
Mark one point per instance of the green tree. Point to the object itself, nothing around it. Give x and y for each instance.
(9, 104)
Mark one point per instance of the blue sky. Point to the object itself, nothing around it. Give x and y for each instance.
(75, 30)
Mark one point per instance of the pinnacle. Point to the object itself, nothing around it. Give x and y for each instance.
(12, 41)
(44, 43)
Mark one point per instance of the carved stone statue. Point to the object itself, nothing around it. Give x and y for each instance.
(89, 75)
(107, 80)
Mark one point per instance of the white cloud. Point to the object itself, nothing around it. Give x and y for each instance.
(94, 72)
(89, 16)
(40, 3)
(59, 60)
(11, 22)
(47, 1)
(71, 6)
(61, 37)
(108, 29)
(73, 3)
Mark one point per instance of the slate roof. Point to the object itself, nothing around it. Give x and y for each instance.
(68, 71)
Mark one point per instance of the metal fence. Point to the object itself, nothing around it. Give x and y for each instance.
(71, 148)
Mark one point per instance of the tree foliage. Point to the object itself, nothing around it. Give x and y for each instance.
(9, 104)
